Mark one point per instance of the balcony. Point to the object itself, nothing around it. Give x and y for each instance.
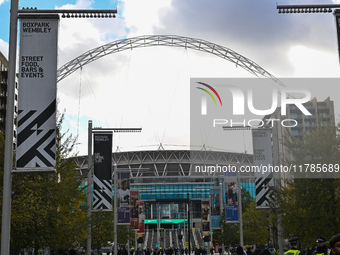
(4, 84)
(4, 74)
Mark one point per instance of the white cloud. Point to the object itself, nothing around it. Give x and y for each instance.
(80, 4)
(149, 87)
(143, 16)
(3, 1)
(309, 62)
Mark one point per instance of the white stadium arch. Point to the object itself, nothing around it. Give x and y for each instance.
(168, 41)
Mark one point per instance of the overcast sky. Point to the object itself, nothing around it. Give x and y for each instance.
(149, 87)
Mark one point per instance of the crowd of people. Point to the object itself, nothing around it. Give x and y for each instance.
(319, 249)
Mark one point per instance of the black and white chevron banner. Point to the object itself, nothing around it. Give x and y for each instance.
(102, 178)
(262, 190)
(102, 194)
(263, 157)
(36, 139)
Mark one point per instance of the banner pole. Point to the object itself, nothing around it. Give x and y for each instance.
(115, 208)
(210, 220)
(188, 199)
(240, 207)
(8, 160)
(89, 186)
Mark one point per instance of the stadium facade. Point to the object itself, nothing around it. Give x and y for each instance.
(165, 179)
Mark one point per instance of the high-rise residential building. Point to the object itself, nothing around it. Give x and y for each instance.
(322, 113)
(4, 94)
(3, 91)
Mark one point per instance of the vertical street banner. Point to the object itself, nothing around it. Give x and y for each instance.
(232, 214)
(36, 123)
(134, 209)
(123, 196)
(205, 216)
(263, 156)
(141, 216)
(102, 177)
(215, 208)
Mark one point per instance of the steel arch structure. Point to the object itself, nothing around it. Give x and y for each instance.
(164, 40)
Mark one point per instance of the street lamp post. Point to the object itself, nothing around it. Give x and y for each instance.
(115, 209)
(8, 154)
(314, 8)
(158, 224)
(188, 201)
(240, 207)
(8, 157)
(308, 8)
(89, 182)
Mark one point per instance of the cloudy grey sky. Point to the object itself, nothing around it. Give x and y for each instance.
(149, 87)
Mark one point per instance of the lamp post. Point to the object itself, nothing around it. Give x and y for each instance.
(158, 224)
(188, 201)
(115, 209)
(307, 8)
(314, 8)
(8, 154)
(239, 198)
(89, 182)
(8, 157)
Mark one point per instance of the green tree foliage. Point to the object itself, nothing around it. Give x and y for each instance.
(103, 230)
(247, 199)
(102, 224)
(47, 208)
(125, 234)
(230, 232)
(310, 207)
(256, 224)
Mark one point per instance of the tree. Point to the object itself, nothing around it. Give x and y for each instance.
(125, 234)
(230, 232)
(247, 199)
(102, 224)
(310, 205)
(256, 224)
(47, 208)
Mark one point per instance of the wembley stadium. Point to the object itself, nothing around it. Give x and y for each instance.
(165, 179)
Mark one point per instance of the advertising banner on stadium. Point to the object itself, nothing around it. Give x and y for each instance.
(215, 208)
(102, 176)
(134, 209)
(36, 139)
(141, 216)
(205, 216)
(263, 156)
(123, 198)
(231, 201)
